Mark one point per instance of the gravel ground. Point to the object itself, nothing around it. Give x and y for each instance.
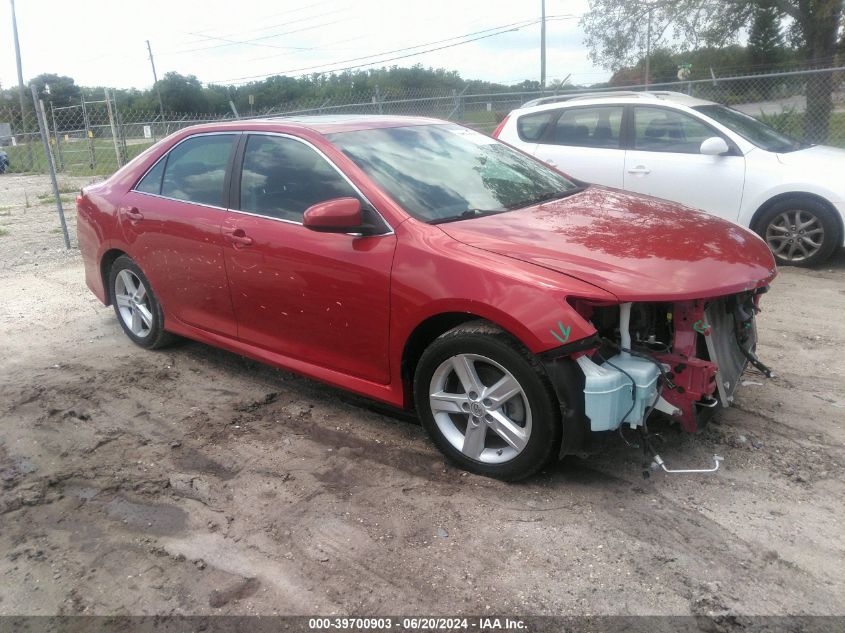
(194, 481)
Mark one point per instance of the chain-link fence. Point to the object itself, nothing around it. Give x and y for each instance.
(97, 137)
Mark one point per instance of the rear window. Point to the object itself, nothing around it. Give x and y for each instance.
(531, 127)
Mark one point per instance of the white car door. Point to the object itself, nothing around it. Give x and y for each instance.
(664, 161)
(584, 143)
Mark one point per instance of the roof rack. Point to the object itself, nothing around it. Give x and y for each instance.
(647, 94)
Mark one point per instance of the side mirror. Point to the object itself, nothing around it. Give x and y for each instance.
(340, 215)
(714, 146)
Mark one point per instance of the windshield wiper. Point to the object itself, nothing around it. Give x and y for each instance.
(554, 195)
(466, 215)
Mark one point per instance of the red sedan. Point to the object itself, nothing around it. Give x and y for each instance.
(425, 265)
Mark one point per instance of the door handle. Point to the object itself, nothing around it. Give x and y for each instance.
(639, 169)
(239, 238)
(133, 214)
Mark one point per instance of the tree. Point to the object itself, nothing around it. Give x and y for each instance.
(182, 93)
(765, 43)
(63, 90)
(617, 30)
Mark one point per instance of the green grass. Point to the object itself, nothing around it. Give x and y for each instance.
(792, 123)
(480, 120)
(3, 231)
(63, 189)
(74, 157)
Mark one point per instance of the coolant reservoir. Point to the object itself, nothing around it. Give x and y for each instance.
(607, 390)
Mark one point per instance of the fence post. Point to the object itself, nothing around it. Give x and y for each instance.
(377, 100)
(113, 129)
(56, 136)
(124, 154)
(39, 114)
(458, 109)
(89, 137)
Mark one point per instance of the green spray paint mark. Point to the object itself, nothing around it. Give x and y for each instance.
(563, 330)
(701, 327)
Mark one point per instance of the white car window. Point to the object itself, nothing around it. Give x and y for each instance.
(665, 130)
(588, 127)
(531, 127)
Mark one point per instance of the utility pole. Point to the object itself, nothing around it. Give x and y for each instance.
(21, 89)
(647, 48)
(41, 117)
(543, 44)
(155, 80)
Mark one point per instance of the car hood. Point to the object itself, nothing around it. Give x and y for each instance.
(637, 247)
(821, 157)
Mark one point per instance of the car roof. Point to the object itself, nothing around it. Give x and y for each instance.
(611, 97)
(323, 124)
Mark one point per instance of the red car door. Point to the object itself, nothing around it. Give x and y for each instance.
(172, 221)
(323, 298)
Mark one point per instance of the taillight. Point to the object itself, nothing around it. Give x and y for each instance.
(501, 126)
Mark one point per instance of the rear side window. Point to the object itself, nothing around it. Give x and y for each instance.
(151, 182)
(196, 169)
(664, 130)
(588, 127)
(282, 177)
(531, 127)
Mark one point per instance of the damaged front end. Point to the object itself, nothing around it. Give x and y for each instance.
(683, 359)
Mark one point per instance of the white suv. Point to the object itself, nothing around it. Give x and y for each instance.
(698, 153)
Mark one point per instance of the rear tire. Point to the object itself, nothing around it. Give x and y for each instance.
(138, 311)
(799, 231)
(487, 403)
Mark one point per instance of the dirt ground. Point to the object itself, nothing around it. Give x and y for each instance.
(194, 481)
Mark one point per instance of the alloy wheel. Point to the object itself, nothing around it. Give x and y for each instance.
(133, 303)
(480, 408)
(795, 235)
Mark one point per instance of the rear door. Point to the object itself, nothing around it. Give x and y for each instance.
(664, 161)
(323, 298)
(584, 142)
(172, 221)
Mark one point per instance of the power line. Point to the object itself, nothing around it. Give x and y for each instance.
(252, 41)
(268, 28)
(398, 50)
(499, 30)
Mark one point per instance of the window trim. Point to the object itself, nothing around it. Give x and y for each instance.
(549, 132)
(166, 155)
(631, 132)
(234, 191)
(554, 115)
(231, 185)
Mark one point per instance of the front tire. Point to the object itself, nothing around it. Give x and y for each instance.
(487, 403)
(800, 232)
(138, 311)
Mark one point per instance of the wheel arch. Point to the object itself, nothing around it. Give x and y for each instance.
(755, 219)
(424, 334)
(106, 262)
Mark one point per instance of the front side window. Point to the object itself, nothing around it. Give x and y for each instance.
(196, 169)
(588, 127)
(445, 172)
(665, 130)
(282, 177)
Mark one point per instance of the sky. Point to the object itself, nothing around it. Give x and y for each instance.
(102, 42)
